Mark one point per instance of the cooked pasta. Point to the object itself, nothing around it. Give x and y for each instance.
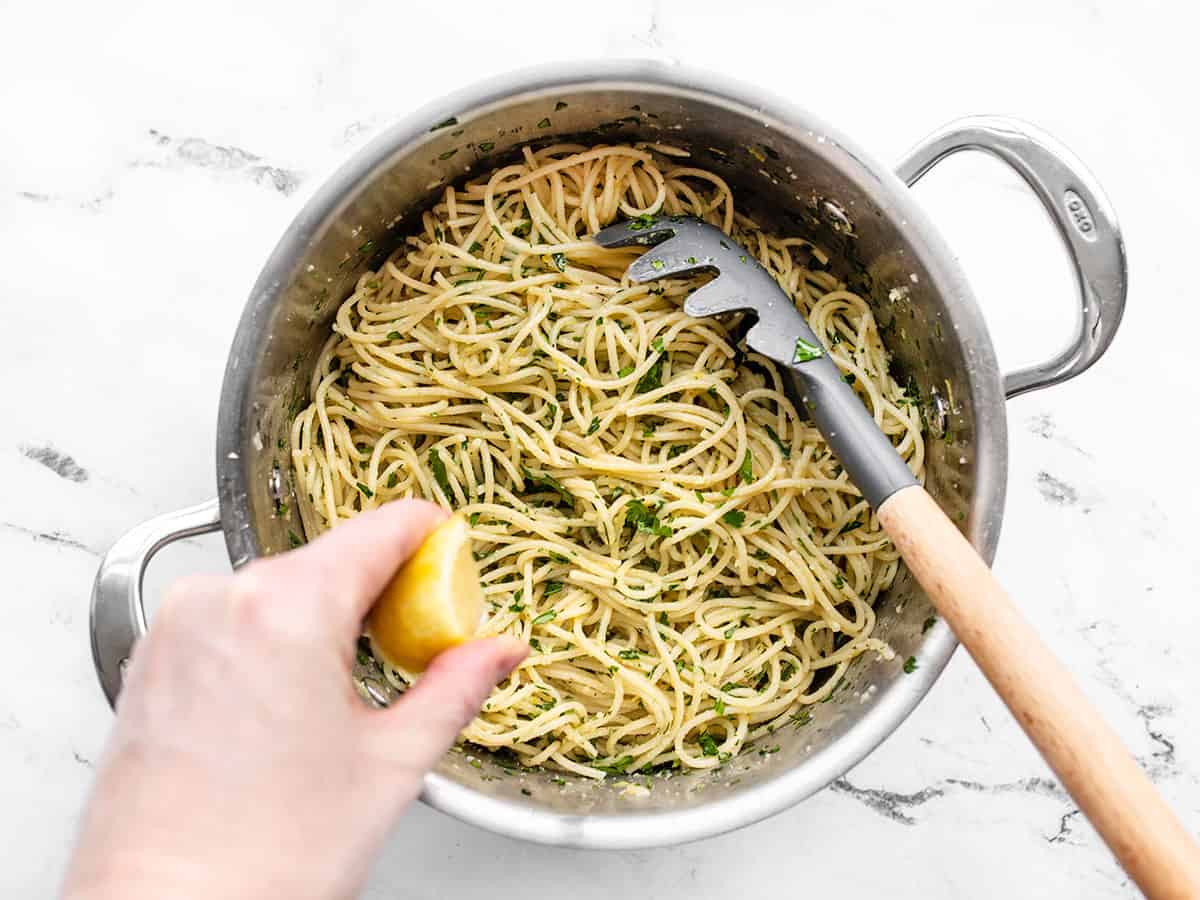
(650, 511)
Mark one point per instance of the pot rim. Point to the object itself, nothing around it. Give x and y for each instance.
(895, 701)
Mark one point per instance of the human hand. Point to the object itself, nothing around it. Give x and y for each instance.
(242, 763)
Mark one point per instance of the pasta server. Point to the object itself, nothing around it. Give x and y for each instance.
(1088, 757)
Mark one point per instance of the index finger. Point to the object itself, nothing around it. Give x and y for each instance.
(352, 563)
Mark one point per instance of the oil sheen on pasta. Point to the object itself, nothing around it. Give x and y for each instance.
(651, 513)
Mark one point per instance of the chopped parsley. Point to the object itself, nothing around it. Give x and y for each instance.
(449, 153)
(624, 371)
(617, 766)
(552, 587)
(657, 264)
(439, 474)
(729, 632)
(641, 223)
(806, 351)
(929, 623)
(487, 146)
(783, 448)
(746, 472)
(594, 427)
(645, 520)
(629, 654)
(560, 261)
(294, 539)
(707, 744)
(850, 526)
(719, 707)
(548, 614)
(394, 335)
(910, 665)
(653, 377)
(734, 517)
(366, 491)
(657, 346)
(549, 482)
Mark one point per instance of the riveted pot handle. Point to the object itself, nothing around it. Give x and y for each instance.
(1079, 209)
(118, 618)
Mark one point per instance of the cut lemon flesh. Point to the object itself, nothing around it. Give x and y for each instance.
(433, 603)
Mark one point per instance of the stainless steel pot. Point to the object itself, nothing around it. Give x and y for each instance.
(793, 172)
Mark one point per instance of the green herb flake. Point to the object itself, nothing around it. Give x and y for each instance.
(544, 123)
(543, 480)
(707, 744)
(560, 261)
(393, 480)
(439, 474)
(657, 346)
(552, 587)
(657, 264)
(449, 153)
(910, 665)
(394, 335)
(644, 519)
(487, 146)
(560, 106)
(629, 654)
(366, 491)
(784, 449)
(549, 614)
(850, 526)
(641, 223)
(719, 707)
(734, 517)
(453, 120)
(746, 472)
(617, 766)
(928, 623)
(473, 518)
(729, 632)
(653, 377)
(294, 539)
(624, 371)
(805, 352)
(594, 427)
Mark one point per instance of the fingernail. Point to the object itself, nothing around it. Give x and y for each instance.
(512, 651)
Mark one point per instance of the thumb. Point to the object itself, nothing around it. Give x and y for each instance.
(425, 721)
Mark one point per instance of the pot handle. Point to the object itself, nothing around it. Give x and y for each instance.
(1078, 207)
(118, 618)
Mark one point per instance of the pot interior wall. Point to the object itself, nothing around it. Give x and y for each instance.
(795, 181)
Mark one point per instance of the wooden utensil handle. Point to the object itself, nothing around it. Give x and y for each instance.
(1088, 757)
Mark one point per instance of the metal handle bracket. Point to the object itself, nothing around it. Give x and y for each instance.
(118, 618)
(1082, 214)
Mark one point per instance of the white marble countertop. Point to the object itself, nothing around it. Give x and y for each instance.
(153, 153)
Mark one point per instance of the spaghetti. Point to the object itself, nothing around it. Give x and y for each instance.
(677, 544)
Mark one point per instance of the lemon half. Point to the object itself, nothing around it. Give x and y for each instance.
(433, 603)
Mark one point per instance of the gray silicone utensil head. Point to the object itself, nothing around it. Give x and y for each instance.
(683, 245)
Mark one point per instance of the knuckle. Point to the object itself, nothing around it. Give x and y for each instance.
(262, 603)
